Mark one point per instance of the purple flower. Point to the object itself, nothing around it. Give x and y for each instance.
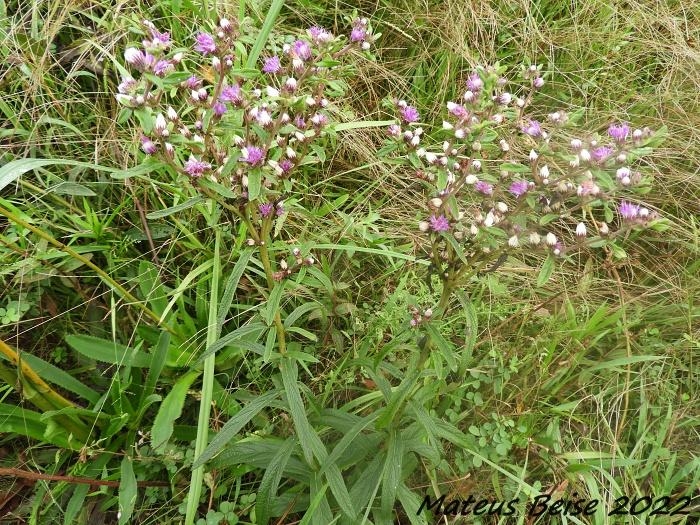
(253, 155)
(484, 187)
(602, 153)
(619, 133)
(195, 168)
(219, 108)
(148, 146)
(159, 40)
(266, 209)
(205, 43)
(439, 223)
(299, 122)
(280, 209)
(127, 85)
(192, 83)
(457, 110)
(286, 165)
(409, 114)
(628, 211)
(231, 94)
(301, 49)
(533, 129)
(319, 35)
(141, 60)
(163, 67)
(358, 34)
(474, 82)
(519, 187)
(272, 65)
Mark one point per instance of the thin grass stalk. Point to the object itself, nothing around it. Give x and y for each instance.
(118, 288)
(197, 477)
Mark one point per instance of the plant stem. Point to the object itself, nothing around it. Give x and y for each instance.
(197, 476)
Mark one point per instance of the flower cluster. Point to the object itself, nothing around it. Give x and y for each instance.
(503, 179)
(216, 121)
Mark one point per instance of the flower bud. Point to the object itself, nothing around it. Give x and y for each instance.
(436, 202)
(534, 238)
(423, 226)
(551, 239)
(581, 229)
(584, 155)
(533, 155)
(513, 242)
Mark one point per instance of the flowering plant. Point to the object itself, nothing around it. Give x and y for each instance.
(504, 181)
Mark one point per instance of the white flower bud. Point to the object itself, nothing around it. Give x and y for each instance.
(544, 172)
(447, 125)
(310, 101)
(469, 96)
(504, 145)
(460, 133)
(476, 165)
(502, 207)
(533, 155)
(415, 141)
(215, 63)
(272, 92)
(535, 238)
(471, 179)
(436, 202)
(513, 242)
(430, 157)
(584, 155)
(604, 230)
(581, 229)
(490, 219)
(551, 239)
(474, 229)
(140, 100)
(423, 226)
(291, 84)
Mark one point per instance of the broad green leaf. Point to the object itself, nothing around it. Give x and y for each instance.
(546, 270)
(151, 287)
(128, 490)
(411, 502)
(157, 363)
(232, 285)
(446, 349)
(234, 425)
(267, 491)
(273, 12)
(108, 351)
(273, 302)
(175, 209)
(55, 375)
(237, 334)
(254, 184)
(515, 167)
(398, 396)
(299, 311)
(169, 412)
(391, 474)
(11, 171)
(72, 188)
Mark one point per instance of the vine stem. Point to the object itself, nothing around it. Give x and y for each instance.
(267, 265)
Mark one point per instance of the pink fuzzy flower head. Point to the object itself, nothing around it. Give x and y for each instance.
(148, 146)
(439, 223)
(253, 155)
(231, 94)
(519, 188)
(205, 43)
(219, 108)
(163, 67)
(195, 168)
(271, 65)
(301, 49)
(484, 187)
(602, 153)
(409, 114)
(192, 82)
(619, 133)
(266, 209)
(319, 35)
(286, 165)
(474, 83)
(533, 129)
(628, 211)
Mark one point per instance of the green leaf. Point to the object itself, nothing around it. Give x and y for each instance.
(157, 364)
(151, 287)
(273, 302)
(234, 425)
(267, 491)
(11, 171)
(170, 410)
(108, 351)
(175, 209)
(238, 333)
(272, 13)
(72, 188)
(515, 167)
(346, 126)
(254, 184)
(299, 311)
(391, 474)
(546, 270)
(232, 285)
(443, 345)
(128, 491)
(59, 377)
(398, 397)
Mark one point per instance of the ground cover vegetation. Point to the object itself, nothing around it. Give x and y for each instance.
(315, 262)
